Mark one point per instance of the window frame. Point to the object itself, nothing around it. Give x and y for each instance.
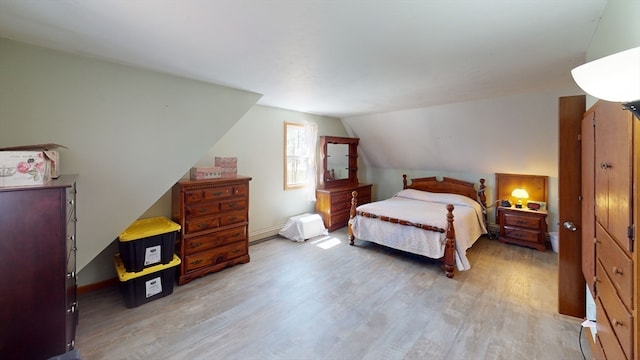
(300, 130)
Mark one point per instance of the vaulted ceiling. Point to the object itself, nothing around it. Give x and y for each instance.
(336, 58)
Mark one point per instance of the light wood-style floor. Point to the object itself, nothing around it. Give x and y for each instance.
(323, 299)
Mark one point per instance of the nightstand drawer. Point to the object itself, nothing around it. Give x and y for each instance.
(523, 227)
(521, 234)
(522, 221)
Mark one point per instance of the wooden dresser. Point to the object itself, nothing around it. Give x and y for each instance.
(333, 204)
(523, 227)
(214, 219)
(38, 304)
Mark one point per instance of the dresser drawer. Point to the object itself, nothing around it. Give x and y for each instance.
(339, 198)
(234, 217)
(605, 335)
(201, 224)
(241, 190)
(522, 221)
(235, 204)
(217, 193)
(215, 256)
(216, 239)
(340, 218)
(364, 195)
(616, 264)
(620, 320)
(202, 209)
(522, 234)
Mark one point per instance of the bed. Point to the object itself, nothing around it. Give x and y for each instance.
(420, 219)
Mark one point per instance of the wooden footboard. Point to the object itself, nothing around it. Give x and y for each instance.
(431, 184)
(448, 259)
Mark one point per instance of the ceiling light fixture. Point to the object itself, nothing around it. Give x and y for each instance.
(613, 78)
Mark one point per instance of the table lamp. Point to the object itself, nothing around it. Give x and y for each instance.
(519, 194)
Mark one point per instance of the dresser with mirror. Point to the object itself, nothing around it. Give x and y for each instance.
(338, 178)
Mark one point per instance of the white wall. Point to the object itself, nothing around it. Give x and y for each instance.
(257, 140)
(471, 140)
(132, 133)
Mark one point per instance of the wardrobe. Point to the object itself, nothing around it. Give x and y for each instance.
(610, 143)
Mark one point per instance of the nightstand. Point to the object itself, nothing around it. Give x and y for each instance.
(523, 227)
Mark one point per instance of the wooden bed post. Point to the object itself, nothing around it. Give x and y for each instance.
(483, 200)
(404, 181)
(352, 215)
(450, 244)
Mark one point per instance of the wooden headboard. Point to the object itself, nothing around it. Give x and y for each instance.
(448, 185)
(535, 185)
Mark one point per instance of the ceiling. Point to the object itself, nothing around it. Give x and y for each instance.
(336, 58)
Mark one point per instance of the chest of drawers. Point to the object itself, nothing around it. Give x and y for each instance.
(38, 270)
(523, 227)
(214, 219)
(333, 204)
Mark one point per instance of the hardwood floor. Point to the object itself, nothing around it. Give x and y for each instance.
(312, 300)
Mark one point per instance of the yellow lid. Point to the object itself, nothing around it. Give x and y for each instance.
(123, 275)
(148, 227)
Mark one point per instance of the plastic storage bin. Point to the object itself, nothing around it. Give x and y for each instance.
(147, 285)
(148, 242)
(553, 238)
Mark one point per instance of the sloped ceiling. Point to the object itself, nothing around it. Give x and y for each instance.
(336, 58)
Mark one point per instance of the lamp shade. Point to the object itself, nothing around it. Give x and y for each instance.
(520, 193)
(613, 78)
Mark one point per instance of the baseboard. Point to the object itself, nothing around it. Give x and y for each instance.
(268, 233)
(85, 289)
(254, 239)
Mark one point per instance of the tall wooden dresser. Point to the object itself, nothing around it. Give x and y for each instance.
(214, 216)
(38, 304)
(616, 280)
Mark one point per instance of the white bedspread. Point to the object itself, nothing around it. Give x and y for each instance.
(423, 208)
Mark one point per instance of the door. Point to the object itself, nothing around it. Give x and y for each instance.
(571, 283)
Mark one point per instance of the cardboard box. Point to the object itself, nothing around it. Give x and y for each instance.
(18, 168)
(203, 173)
(226, 162)
(229, 173)
(29, 164)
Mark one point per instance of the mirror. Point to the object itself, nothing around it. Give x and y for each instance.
(339, 159)
(337, 162)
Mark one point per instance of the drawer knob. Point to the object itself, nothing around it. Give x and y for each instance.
(617, 322)
(617, 271)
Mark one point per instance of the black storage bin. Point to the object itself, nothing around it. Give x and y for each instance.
(151, 283)
(148, 242)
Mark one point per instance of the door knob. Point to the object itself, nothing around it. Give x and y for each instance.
(569, 226)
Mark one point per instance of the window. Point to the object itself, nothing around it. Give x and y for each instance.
(300, 156)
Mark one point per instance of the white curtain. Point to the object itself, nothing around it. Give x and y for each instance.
(311, 135)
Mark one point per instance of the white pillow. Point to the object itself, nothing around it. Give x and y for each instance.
(444, 198)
